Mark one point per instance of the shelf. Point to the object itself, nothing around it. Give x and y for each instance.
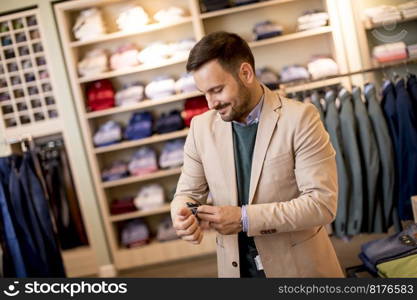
(142, 105)
(291, 36)
(233, 10)
(369, 25)
(127, 71)
(119, 35)
(142, 142)
(136, 179)
(157, 252)
(141, 213)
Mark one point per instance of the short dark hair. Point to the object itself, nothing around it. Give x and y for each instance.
(228, 48)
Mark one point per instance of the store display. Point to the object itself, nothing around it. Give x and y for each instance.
(390, 52)
(132, 18)
(108, 134)
(115, 171)
(294, 73)
(193, 107)
(322, 67)
(169, 122)
(143, 162)
(162, 86)
(89, 25)
(140, 126)
(124, 57)
(100, 95)
(185, 84)
(94, 62)
(172, 154)
(134, 234)
(268, 77)
(169, 15)
(266, 29)
(149, 197)
(130, 94)
(122, 206)
(312, 19)
(166, 230)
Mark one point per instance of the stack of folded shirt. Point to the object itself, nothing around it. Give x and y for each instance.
(412, 51)
(169, 15)
(100, 95)
(266, 29)
(132, 18)
(382, 14)
(116, 171)
(89, 25)
(169, 122)
(150, 197)
(108, 134)
(193, 107)
(294, 73)
(312, 19)
(161, 86)
(185, 84)
(130, 94)
(134, 234)
(401, 245)
(390, 52)
(409, 9)
(121, 206)
(211, 5)
(140, 126)
(126, 56)
(243, 2)
(173, 154)
(181, 49)
(268, 77)
(93, 62)
(143, 162)
(166, 230)
(156, 52)
(322, 67)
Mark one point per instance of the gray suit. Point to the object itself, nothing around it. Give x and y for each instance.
(354, 168)
(370, 162)
(332, 122)
(386, 154)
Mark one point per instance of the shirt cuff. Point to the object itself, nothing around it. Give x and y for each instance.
(245, 219)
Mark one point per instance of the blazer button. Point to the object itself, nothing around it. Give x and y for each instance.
(234, 264)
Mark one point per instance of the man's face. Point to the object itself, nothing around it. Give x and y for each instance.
(224, 93)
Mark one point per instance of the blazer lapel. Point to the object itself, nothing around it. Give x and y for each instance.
(223, 135)
(267, 122)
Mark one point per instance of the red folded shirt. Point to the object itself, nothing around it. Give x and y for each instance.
(193, 107)
(100, 95)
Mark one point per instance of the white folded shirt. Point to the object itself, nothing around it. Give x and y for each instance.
(156, 52)
(89, 25)
(94, 62)
(149, 197)
(160, 88)
(169, 15)
(322, 67)
(132, 18)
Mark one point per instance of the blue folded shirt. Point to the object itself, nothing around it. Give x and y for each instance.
(140, 126)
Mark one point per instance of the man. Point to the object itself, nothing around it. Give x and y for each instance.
(268, 165)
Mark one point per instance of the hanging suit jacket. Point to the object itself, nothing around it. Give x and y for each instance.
(412, 90)
(370, 163)
(315, 100)
(351, 150)
(293, 188)
(332, 122)
(386, 155)
(407, 147)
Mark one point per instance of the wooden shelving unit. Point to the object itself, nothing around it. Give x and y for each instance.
(324, 40)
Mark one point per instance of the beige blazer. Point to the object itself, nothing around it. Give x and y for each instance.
(293, 188)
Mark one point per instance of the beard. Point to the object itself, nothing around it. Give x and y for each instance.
(239, 110)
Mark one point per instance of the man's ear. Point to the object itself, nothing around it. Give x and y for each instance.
(246, 73)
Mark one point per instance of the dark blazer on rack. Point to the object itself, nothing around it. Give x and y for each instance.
(386, 154)
(412, 90)
(351, 149)
(332, 122)
(370, 162)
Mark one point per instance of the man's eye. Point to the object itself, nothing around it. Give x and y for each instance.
(218, 90)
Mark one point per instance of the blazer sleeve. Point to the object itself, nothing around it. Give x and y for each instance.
(192, 185)
(316, 177)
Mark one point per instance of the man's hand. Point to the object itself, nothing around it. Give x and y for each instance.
(224, 219)
(187, 226)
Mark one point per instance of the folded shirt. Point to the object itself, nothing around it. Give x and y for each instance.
(311, 25)
(89, 25)
(193, 107)
(140, 126)
(157, 52)
(133, 18)
(382, 13)
(166, 230)
(185, 84)
(122, 206)
(322, 67)
(169, 15)
(169, 122)
(100, 95)
(116, 171)
(160, 87)
(109, 133)
(390, 52)
(126, 56)
(313, 16)
(172, 154)
(150, 196)
(143, 162)
(294, 73)
(211, 5)
(130, 94)
(94, 62)
(181, 49)
(266, 29)
(268, 77)
(135, 233)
